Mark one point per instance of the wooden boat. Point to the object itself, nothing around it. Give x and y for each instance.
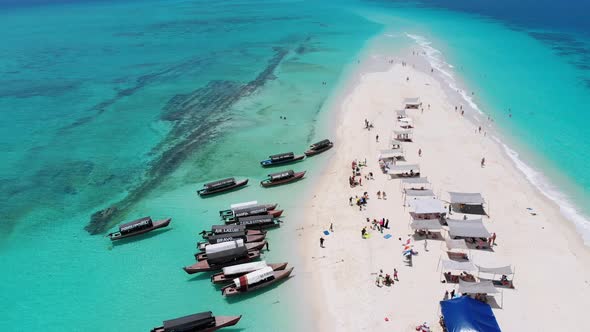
(223, 278)
(230, 212)
(319, 147)
(252, 211)
(200, 256)
(221, 186)
(255, 280)
(201, 322)
(137, 227)
(230, 237)
(231, 228)
(217, 264)
(272, 213)
(258, 222)
(277, 179)
(281, 159)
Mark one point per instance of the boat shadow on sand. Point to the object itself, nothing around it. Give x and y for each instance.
(140, 237)
(247, 296)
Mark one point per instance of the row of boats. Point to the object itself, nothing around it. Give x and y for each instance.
(231, 250)
(274, 179)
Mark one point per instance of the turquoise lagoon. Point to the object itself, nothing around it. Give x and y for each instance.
(135, 104)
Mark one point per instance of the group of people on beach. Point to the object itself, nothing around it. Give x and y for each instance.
(386, 280)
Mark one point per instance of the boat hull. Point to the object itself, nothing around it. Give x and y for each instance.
(203, 266)
(228, 213)
(269, 163)
(220, 322)
(250, 232)
(311, 152)
(157, 224)
(237, 185)
(296, 177)
(249, 239)
(279, 276)
(250, 246)
(273, 213)
(220, 278)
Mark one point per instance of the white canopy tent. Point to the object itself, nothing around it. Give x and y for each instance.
(422, 193)
(412, 103)
(449, 265)
(427, 206)
(399, 169)
(468, 228)
(456, 244)
(401, 114)
(428, 224)
(405, 123)
(484, 287)
(501, 270)
(466, 198)
(391, 154)
(396, 144)
(403, 134)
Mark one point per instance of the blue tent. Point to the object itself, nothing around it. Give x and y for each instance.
(464, 314)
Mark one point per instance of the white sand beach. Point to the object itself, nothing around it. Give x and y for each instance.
(552, 265)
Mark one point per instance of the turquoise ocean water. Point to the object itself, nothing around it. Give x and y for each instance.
(135, 104)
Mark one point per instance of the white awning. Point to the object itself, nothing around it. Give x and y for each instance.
(467, 228)
(412, 101)
(391, 153)
(423, 180)
(395, 142)
(402, 131)
(236, 206)
(422, 206)
(456, 244)
(485, 287)
(419, 192)
(466, 198)
(449, 265)
(405, 120)
(507, 270)
(401, 113)
(429, 224)
(404, 168)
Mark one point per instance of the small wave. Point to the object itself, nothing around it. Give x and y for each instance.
(535, 177)
(436, 61)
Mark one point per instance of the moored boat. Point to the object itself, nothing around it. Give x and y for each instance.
(232, 228)
(217, 261)
(230, 237)
(137, 227)
(255, 280)
(235, 271)
(200, 322)
(281, 159)
(220, 186)
(319, 147)
(253, 246)
(252, 211)
(280, 178)
(258, 222)
(230, 212)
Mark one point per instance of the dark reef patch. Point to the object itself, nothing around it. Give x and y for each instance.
(196, 116)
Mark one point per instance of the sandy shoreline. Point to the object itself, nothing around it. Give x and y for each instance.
(550, 259)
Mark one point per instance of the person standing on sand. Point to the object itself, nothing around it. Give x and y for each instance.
(360, 181)
(395, 275)
(483, 162)
(493, 239)
(384, 195)
(446, 295)
(379, 194)
(332, 227)
(387, 223)
(321, 242)
(350, 200)
(425, 245)
(377, 138)
(420, 152)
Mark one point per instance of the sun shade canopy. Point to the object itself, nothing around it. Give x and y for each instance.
(422, 206)
(484, 287)
(496, 270)
(449, 265)
(467, 228)
(429, 224)
(404, 168)
(466, 198)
